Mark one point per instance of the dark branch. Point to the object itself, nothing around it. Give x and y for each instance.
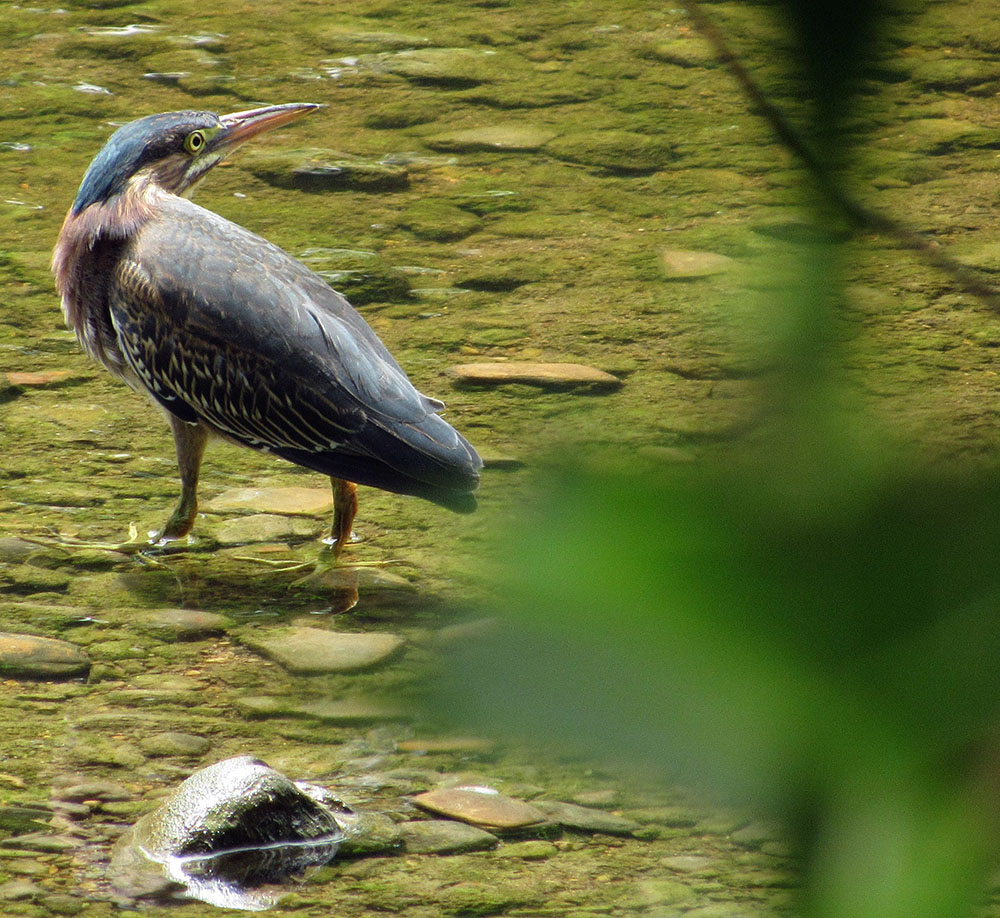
(971, 280)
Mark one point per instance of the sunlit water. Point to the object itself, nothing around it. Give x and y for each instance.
(488, 182)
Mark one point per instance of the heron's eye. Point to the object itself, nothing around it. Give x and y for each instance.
(194, 142)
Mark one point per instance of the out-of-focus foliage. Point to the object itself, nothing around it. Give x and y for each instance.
(812, 630)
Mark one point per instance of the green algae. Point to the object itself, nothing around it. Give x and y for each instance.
(556, 246)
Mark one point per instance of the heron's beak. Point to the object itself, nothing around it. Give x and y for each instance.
(238, 127)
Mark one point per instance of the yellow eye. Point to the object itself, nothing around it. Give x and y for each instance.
(194, 142)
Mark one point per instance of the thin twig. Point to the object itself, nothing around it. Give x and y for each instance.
(971, 280)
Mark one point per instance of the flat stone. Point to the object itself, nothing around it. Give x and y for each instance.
(581, 817)
(684, 51)
(317, 170)
(23, 820)
(353, 711)
(40, 379)
(369, 833)
(273, 500)
(494, 137)
(65, 904)
(174, 743)
(104, 791)
(666, 892)
(687, 863)
(345, 711)
(755, 834)
(480, 806)
(364, 579)
(25, 656)
(184, 624)
(316, 650)
(346, 39)
(606, 798)
(16, 890)
(264, 527)
(39, 841)
(547, 375)
(15, 551)
(681, 263)
(532, 850)
(444, 836)
(446, 67)
(474, 629)
(446, 744)
(615, 152)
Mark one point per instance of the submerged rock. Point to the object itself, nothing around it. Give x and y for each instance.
(495, 137)
(683, 264)
(444, 836)
(585, 818)
(26, 656)
(319, 170)
(551, 375)
(273, 500)
(182, 624)
(227, 833)
(316, 650)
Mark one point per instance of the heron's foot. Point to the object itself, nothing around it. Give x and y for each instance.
(326, 561)
(133, 545)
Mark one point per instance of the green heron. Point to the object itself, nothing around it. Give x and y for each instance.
(233, 337)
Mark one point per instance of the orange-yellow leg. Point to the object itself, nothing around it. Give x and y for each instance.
(189, 440)
(345, 508)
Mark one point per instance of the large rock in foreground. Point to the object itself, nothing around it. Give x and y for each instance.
(228, 832)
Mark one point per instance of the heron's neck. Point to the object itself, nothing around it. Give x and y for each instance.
(83, 257)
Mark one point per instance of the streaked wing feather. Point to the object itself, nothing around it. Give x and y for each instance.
(221, 325)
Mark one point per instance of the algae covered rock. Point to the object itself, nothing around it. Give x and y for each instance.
(318, 170)
(624, 152)
(227, 832)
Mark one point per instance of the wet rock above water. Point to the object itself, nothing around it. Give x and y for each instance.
(227, 833)
(547, 375)
(481, 806)
(316, 650)
(26, 656)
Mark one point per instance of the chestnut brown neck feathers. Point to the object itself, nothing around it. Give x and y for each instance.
(83, 260)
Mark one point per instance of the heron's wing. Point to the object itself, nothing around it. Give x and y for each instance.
(223, 326)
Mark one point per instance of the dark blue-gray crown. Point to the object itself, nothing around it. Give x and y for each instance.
(133, 146)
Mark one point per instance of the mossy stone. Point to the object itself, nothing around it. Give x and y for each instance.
(320, 170)
(437, 220)
(615, 151)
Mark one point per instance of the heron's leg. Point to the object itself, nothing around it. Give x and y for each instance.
(190, 440)
(345, 508)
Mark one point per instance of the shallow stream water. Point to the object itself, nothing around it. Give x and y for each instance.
(488, 182)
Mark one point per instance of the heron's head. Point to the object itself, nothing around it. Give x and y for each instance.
(174, 150)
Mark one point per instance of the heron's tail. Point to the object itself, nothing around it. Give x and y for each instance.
(431, 460)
